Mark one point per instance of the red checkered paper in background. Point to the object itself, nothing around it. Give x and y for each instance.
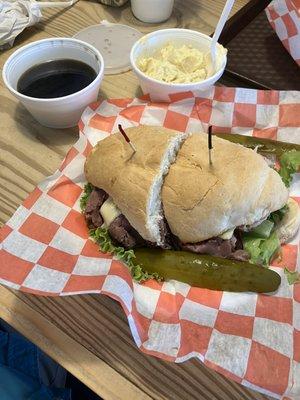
(251, 338)
(284, 17)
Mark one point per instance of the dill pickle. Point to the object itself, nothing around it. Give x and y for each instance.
(207, 271)
(266, 146)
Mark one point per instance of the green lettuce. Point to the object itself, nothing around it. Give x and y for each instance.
(269, 248)
(88, 188)
(262, 242)
(261, 250)
(252, 246)
(292, 277)
(102, 238)
(276, 216)
(289, 164)
(264, 229)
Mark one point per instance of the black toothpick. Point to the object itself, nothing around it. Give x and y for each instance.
(210, 146)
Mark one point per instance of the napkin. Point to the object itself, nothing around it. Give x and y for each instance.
(284, 17)
(251, 338)
(15, 16)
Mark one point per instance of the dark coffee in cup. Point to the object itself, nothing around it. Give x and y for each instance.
(56, 78)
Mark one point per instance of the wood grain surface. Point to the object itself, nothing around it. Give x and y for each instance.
(89, 335)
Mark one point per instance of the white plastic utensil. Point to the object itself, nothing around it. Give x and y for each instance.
(220, 25)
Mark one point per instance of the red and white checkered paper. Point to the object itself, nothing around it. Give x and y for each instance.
(284, 17)
(251, 338)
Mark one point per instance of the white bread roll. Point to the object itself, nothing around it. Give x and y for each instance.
(134, 180)
(289, 225)
(202, 201)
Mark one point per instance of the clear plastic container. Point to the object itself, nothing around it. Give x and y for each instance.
(114, 41)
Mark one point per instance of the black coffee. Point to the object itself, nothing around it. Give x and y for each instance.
(55, 78)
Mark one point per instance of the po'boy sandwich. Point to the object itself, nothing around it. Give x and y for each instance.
(167, 195)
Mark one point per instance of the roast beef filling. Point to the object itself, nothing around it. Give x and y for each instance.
(92, 209)
(217, 247)
(240, 255)
(120, 229)
(125, 235)
(170, 241)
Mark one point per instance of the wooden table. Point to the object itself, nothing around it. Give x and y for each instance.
(89, 335)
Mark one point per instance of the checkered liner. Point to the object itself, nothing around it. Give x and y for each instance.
(251, 338)
(284, 16)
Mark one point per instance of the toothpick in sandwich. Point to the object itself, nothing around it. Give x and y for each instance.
(210, 144)
(126, 138)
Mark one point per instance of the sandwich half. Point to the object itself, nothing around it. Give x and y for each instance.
(133, 181)
(203, 201)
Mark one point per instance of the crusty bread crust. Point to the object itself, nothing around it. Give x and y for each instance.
(201, 201)
(289, 225)
(128, 177)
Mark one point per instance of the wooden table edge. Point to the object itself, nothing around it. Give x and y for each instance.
(84, 365)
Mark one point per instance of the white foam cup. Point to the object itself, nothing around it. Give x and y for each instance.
(152, 11)
(59, 112)
(150, 43)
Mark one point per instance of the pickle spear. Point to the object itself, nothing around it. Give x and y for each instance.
(208, 272)
(265, 145)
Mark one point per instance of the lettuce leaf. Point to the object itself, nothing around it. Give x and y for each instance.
(262, 242)
(289, 164)
(269, 248)
(261, 250)
(102, 238)
(88, 188)
(252, 245)
(276, 216)
(292, 277)
(264, 229)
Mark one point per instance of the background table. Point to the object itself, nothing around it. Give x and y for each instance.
(89, 335)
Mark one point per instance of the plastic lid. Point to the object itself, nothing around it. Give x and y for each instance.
(114, 41)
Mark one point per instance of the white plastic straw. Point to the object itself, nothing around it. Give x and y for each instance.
(224, 16)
